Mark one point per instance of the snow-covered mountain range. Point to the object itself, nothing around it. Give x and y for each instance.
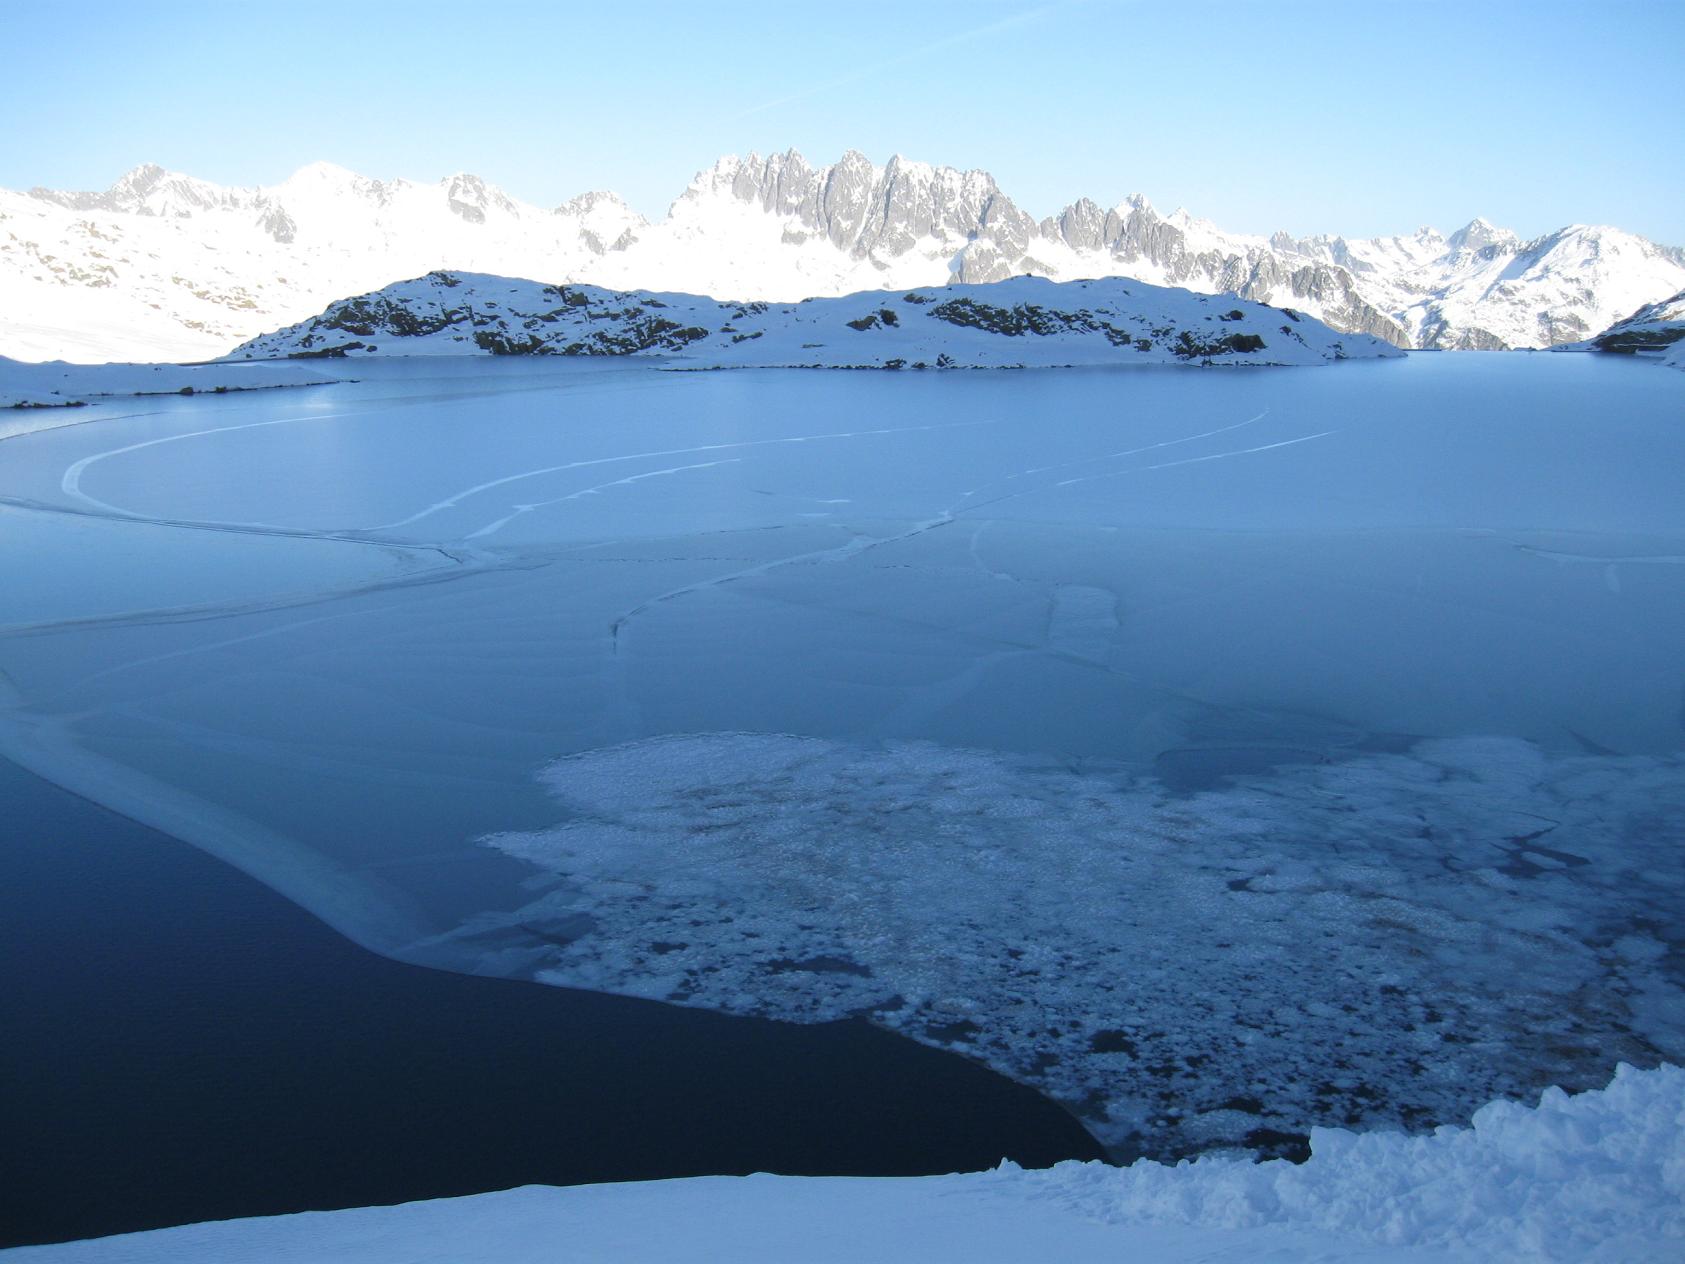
(1018, 322)
(166, 266)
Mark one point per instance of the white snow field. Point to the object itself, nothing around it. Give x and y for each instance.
(1224, 754)
(1594, 1179)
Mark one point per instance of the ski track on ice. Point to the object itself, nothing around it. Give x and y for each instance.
(71, 485)
(492, 528)
(456, 498)
(1195, 460)
(1111, 456)
(950, 514)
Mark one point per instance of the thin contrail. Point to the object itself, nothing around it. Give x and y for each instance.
(916, 54)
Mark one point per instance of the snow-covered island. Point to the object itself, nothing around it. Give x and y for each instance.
(56, 384)
(1596, 1177)
(1017, 323)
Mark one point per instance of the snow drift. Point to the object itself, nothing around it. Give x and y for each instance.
(1599, 1177)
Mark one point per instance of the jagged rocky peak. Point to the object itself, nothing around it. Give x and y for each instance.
(134, 185)
(148, 189)
(604, 220)
(1478, 234)
(471, 198)
(1082, 225)
(868, 210)
(597, 200)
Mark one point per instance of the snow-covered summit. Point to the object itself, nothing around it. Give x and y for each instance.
(163, 265)
(1478, 234)
(1025, 321)
(149, 190)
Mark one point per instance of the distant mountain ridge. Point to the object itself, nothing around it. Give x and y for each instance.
(166, 266)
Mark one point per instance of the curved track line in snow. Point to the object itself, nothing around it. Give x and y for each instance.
(71, 482)
(1195, 460)
(1614, 559)
(456, 498)
(1110, 456)
(492, 528)
(862, 544)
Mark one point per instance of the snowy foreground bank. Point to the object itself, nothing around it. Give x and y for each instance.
(1596, 1177)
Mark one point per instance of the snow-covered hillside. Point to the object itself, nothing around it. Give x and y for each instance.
(1026, 321)
(1654, 329)
(163, 266)
(1597, 1177)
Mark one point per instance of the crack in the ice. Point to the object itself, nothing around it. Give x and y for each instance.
(118, 515)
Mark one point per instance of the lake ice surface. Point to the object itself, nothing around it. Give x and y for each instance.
(1224, 753)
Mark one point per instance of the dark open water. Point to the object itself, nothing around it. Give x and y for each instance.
(181, 1044)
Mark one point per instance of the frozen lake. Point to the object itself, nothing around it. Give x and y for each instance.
(1219, 752)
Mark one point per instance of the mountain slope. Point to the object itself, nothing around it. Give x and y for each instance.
(1650, 328)
(1656, 329)
(1025, 321)
(165, 266)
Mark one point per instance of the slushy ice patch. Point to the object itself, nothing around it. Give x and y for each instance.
(1390, 939)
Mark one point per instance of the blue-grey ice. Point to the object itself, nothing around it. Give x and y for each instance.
(1224, 753)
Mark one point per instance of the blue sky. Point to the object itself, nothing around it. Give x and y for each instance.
(1358, 118)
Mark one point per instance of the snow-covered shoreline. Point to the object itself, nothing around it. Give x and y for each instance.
(1595, 1177)
(55, 384)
